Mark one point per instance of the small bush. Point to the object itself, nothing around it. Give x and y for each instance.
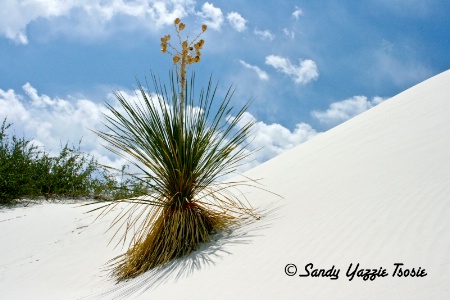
(26, 171)
(17, 157)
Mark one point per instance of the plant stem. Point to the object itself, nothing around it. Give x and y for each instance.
(182, 85)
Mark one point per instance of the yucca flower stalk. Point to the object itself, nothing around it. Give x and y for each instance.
(188, 54)
(183, 147)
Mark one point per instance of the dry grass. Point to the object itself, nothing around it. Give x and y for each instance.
(176, 232)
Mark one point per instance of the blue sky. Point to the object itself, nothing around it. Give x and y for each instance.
(308, 65)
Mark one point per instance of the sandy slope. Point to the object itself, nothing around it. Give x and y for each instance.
(374, 191)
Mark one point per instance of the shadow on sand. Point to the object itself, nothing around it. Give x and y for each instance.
(208, 254)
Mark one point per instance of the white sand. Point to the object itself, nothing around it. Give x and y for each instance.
(374, 191)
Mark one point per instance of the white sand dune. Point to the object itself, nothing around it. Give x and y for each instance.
(374, 191)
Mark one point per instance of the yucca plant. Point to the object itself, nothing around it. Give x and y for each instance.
(183, 147)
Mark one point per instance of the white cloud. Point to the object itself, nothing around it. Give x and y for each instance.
(44, 100)
(261, 74)
(16, 15)
(305, 72)
(11, 106)
(87, 18)
(265, 35)
(51, 122)
(289, 33)
(161, 12)
(237, 21)
(297, 13)
(274, 139)
(341, 111)
(212, 16)
(55, 121)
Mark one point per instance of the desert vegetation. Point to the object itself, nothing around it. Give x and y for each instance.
(26, 171)
(183, 145)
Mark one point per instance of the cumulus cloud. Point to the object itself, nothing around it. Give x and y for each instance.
(274, 139)
(12, 107)
(51, 122)
(211, 15)
(87, 18)
(297, 13)
(16, 15)
(305, 72)
(261, 74)
(341, 111)
(237, 21)
(265, 35)
(161, 12)
(55, 121)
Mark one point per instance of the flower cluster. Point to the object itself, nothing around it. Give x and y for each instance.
(164, 41)
(190, 51)
(191, 54)
(188, 55)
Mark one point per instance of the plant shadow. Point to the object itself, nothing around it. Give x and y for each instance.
(208, 254)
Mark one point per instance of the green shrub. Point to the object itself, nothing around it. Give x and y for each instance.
(28, 172)
(17, 157)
